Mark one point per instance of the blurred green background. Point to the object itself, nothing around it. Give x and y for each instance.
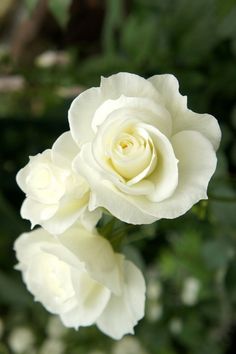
(51, 50)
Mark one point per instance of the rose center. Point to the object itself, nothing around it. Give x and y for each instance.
(39, 178)
(131, 153)
(126, 144)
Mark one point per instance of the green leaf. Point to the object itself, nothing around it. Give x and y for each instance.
(60, 9)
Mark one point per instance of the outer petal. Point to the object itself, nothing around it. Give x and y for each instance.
(129, 85)
(83, 108)
(167, 85)
(49, 280)
(89, 219)
(91, 297)
(197, 163)
(35, 262)
(97, 255)
(26, 245)
(67, 213)
(37, 212)
(123, 312)
(143, 108)
(64, 150)
(22, 175)
(81, 114)
(183, 118)
(205, 124)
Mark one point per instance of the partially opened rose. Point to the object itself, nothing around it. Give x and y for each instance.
(79, 277)
(145, 155)
(56, 196)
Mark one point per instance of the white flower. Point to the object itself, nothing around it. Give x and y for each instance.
(79, 277)
(21, 340)
(56, 196)
(145, 155)
(190, 291)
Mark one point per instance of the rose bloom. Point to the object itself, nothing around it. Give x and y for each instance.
(56, 196)
(145, 155)
(79, 277)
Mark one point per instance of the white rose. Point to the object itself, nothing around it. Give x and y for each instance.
(56, 196)
(145, 155)
(79, 277)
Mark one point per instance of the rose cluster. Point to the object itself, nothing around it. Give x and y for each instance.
(134, 149)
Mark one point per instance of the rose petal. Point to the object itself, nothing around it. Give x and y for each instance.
(142, 108)
(205, 124)
(57, 291)
(197, 164)
(183, 118)
(165, 175)
(89, 219)
(64, 150)
(21, 177)
(81, 114)
(67, 213)
(91, 297)
(32, 261)
(27, 244)
(129, 85)
(97, 255)
(37, 212)
(123, 312)
(84, 106)
(102, 154)
(104, 193)
(168, 86)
